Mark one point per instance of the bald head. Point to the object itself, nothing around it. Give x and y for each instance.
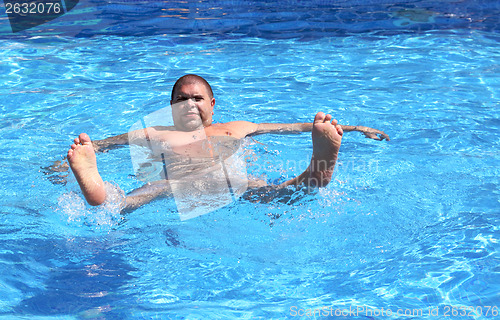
(191, 79)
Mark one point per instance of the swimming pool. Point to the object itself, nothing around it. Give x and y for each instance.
(407, 226)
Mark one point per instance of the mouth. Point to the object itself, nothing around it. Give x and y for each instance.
(191, 115)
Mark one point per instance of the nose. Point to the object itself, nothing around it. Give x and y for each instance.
(190, 103)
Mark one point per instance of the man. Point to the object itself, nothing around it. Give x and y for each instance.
(194, 136)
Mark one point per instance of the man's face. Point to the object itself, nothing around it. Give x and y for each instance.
(192, 107)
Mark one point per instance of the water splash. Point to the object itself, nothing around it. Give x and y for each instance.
(73, 209)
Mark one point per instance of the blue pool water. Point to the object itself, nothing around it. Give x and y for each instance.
(408, 225)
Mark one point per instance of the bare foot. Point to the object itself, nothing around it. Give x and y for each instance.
(327, 137)
(82, 160)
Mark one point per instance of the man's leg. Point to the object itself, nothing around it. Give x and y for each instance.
(146, 194)
(82, 160)
(326, 138)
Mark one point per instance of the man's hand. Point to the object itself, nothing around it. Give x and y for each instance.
(368, 132)
(375, 134)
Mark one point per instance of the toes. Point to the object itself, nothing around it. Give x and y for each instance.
(328, 118)
(334, 122)
(70, 153)
(320, 117)
(84, 138)
(339, 129)
(76, 141)
(73, 146)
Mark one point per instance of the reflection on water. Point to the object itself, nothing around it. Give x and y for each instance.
(79, 276)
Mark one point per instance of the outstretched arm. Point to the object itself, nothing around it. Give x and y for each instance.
(136, 136)
(244, 128)
(110, 143)
(252, 129)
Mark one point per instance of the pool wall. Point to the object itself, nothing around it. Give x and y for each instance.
(279, 19)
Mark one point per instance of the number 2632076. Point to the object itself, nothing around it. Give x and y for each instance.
(33, 8)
